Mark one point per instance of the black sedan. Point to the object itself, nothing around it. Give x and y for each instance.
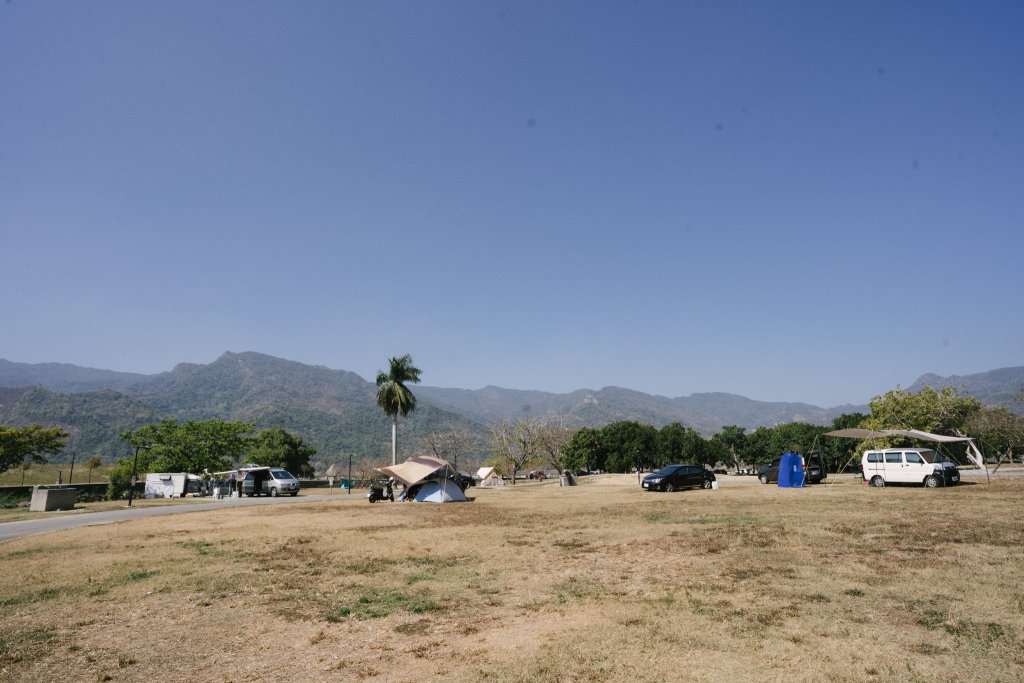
(675, 477)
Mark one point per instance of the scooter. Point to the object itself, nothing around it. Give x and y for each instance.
(378, 492)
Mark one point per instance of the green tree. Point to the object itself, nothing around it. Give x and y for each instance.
(586, 451)
(676, 443)
(279, 448)
(630, 444)
(191, 446)
(732, 439)
(394, 397)
(945, 411)
(32, 442)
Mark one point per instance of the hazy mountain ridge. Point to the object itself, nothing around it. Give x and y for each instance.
(336, 411)
(999, 387)
(64, 377)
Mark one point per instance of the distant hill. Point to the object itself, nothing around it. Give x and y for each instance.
(336, 412)
(333, 410)
(707, 413)
(1002, 387)
(62, 377)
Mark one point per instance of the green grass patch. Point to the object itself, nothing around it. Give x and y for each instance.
(31, 598)
(378, 603)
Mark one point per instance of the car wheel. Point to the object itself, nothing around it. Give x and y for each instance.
(877, 481)
(295, 494)
(669, 488)
(273, 492)
(763, 478)
(706, 484)
(931, 481)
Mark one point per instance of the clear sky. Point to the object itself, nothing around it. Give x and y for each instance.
(805, 201)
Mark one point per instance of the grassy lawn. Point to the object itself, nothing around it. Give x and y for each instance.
(601, 582)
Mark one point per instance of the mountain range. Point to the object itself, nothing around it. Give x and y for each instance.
(335, 410)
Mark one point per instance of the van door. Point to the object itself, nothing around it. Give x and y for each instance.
(894, 470)
(915, 468)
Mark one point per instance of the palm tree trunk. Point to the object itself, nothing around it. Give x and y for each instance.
(394, 439)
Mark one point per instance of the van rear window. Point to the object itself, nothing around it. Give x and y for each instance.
(874, 457)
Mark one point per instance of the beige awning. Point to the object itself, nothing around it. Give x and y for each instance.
(415, 470)
(912, 433)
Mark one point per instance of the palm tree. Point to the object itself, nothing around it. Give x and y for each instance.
(394, 397)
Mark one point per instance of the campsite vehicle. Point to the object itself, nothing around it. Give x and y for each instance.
(908, 466)
(814, 469)
(269, 481)
(379, 491)
(675, 477)
(175, 485)
(466, 480)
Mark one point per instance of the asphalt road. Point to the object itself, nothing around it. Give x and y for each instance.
(47, 523)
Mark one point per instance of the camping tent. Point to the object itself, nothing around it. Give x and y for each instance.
(440, 491)
(422, 471)
(488, 476)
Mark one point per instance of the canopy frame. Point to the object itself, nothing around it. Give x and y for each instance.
(863, 434)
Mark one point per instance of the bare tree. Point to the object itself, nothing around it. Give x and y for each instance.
(515, 444)
(552, 438)
(450, 444)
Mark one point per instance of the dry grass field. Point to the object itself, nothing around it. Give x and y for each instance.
(602, 582)
(47, 474)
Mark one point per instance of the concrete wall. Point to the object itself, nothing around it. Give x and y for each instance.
(46, 498)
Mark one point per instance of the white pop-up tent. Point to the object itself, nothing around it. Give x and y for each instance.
(428, 479)
(863, 434)
(489, 477)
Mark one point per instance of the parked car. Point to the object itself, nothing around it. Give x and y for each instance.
(814, 469)
(676, 477)
(466, 480)
(539, 475)
(908, 466)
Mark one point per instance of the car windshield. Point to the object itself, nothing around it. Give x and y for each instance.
(665, 471)
(281, 474)
(931, 456)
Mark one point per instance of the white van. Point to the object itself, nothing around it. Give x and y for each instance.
(908, 466)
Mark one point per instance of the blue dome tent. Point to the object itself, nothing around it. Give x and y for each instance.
(791, 471)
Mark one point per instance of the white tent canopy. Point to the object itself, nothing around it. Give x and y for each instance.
(972, 451)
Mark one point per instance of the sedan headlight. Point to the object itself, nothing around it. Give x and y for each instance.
(655, 481)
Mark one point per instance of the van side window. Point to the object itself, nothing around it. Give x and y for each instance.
(874, 457)
(915, 458)
(894, 458)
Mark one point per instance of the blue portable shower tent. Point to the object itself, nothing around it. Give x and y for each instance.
(791, 471)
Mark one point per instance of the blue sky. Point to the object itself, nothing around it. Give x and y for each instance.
(790, 201)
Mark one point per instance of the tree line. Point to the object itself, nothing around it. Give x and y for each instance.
(514, 445)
